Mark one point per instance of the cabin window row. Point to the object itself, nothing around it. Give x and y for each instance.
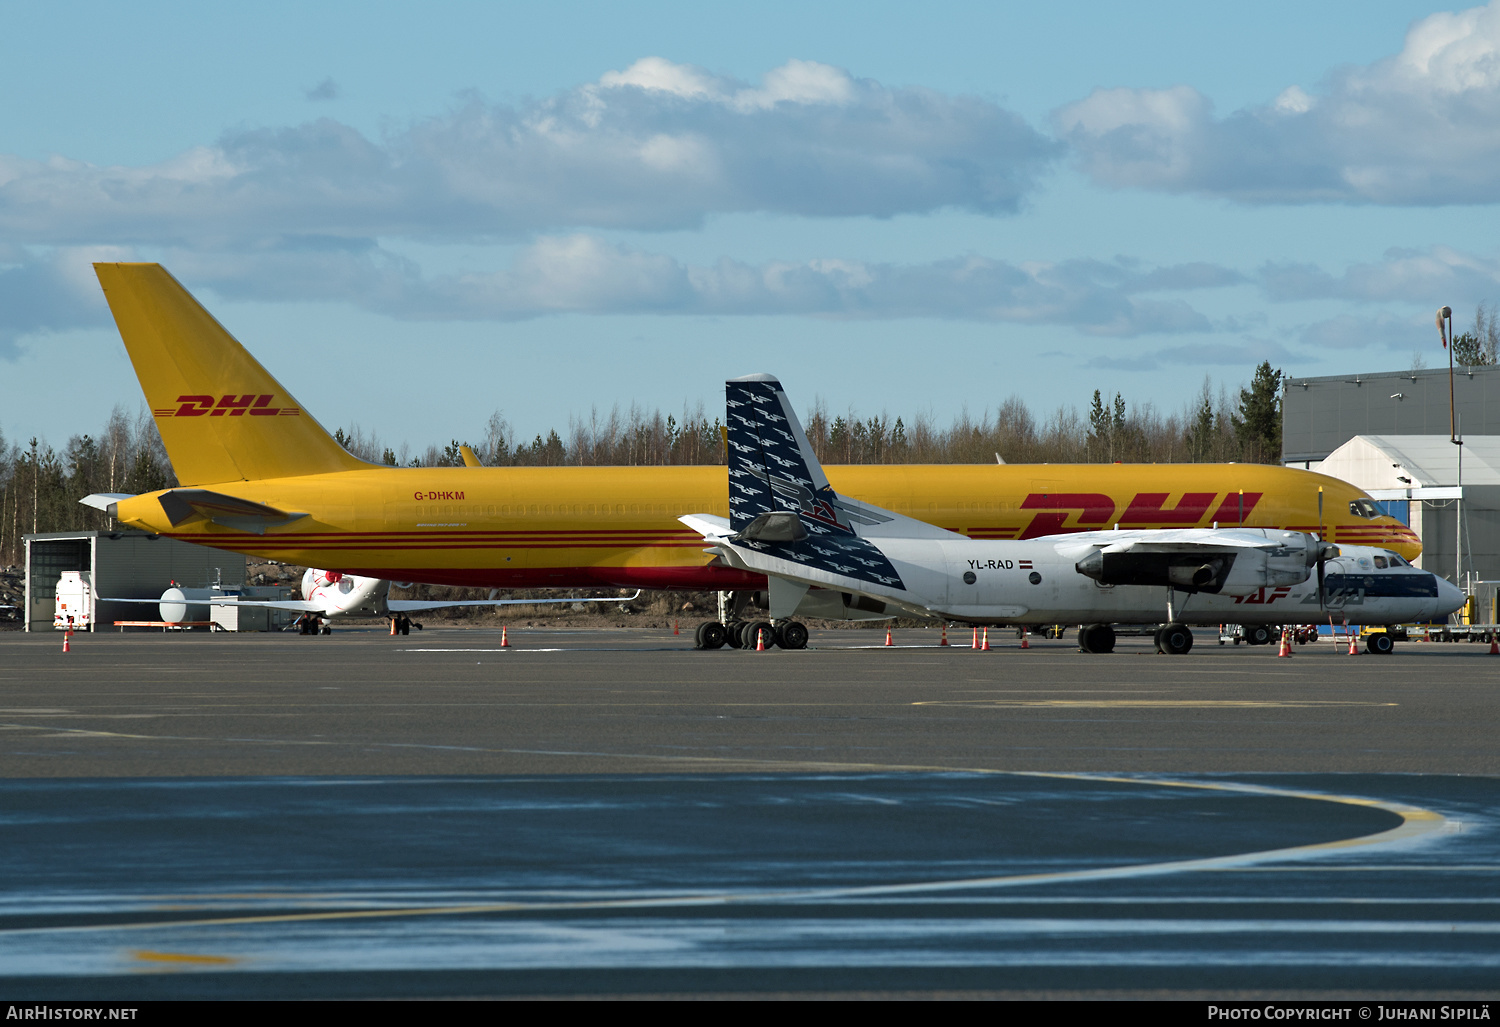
(538, 509)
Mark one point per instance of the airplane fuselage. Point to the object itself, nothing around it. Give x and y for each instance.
(344, 595)
(531, 527)
(1039, 583)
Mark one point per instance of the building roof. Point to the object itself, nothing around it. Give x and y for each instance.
(1379, 461)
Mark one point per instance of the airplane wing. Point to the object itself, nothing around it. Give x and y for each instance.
(296, 605)
(1232, 562)
(412, 605)
(1170, 540)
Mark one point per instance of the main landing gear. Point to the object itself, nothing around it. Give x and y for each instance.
(312, 624)
(401, 624)
(734, 630)
(1173, 639)
(742, 634)
(1096, 638)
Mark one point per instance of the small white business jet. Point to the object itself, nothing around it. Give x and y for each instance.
(327, 595)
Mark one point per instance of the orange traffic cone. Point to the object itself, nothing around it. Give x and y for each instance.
(986, 646)
(674, 628)
(1353, 643)
(1286, 645)
(1025, 639)
(67, 641)
(888, 637)
(1494, 646)
(945, 634)
(976, 638)
(504, 638)
(393, 626)
(760, 640)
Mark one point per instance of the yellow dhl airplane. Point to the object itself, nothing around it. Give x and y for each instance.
(259, 475)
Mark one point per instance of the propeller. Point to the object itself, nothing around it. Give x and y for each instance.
(1323, 554)
(1319, 557)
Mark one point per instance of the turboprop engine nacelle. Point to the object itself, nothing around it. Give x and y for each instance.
(1285, 559)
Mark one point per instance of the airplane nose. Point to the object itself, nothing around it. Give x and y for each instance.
(1450, 596)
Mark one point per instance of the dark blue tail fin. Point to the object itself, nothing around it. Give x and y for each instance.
(771, 463)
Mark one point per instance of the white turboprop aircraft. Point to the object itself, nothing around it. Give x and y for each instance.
(330, 594)
(828, 555)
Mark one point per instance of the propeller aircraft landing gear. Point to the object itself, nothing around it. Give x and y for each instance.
(710, 635)
(1096, 638)
(791, 634)
(1174, 639)
(754, 631)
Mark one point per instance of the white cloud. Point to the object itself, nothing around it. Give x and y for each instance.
(800, 82)
(1435, 275)
(1419, 128)
(657, 146)
(1293, 100)
(656, 73)
(1385, 332)
(49, 292)
(1240, 353)
(327, 89)
(584, 274)
(581, 273)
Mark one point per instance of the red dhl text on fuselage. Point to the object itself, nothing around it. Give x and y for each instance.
(583, 526)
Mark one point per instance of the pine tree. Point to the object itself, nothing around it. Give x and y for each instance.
(1258, 425)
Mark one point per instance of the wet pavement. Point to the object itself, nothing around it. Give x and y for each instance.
(612, 813)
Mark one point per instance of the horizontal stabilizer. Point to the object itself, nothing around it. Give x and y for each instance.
(182, 505)
(105, 500)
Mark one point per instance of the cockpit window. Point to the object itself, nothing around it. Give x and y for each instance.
(1365, 508)
(1380, 561)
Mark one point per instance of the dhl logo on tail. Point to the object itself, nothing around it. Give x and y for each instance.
(234, 406)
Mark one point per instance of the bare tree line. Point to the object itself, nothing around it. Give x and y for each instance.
(40, 486)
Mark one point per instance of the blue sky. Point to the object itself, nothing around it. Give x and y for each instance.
(418, 217)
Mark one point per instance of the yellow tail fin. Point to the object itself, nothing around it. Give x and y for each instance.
(222, 416)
